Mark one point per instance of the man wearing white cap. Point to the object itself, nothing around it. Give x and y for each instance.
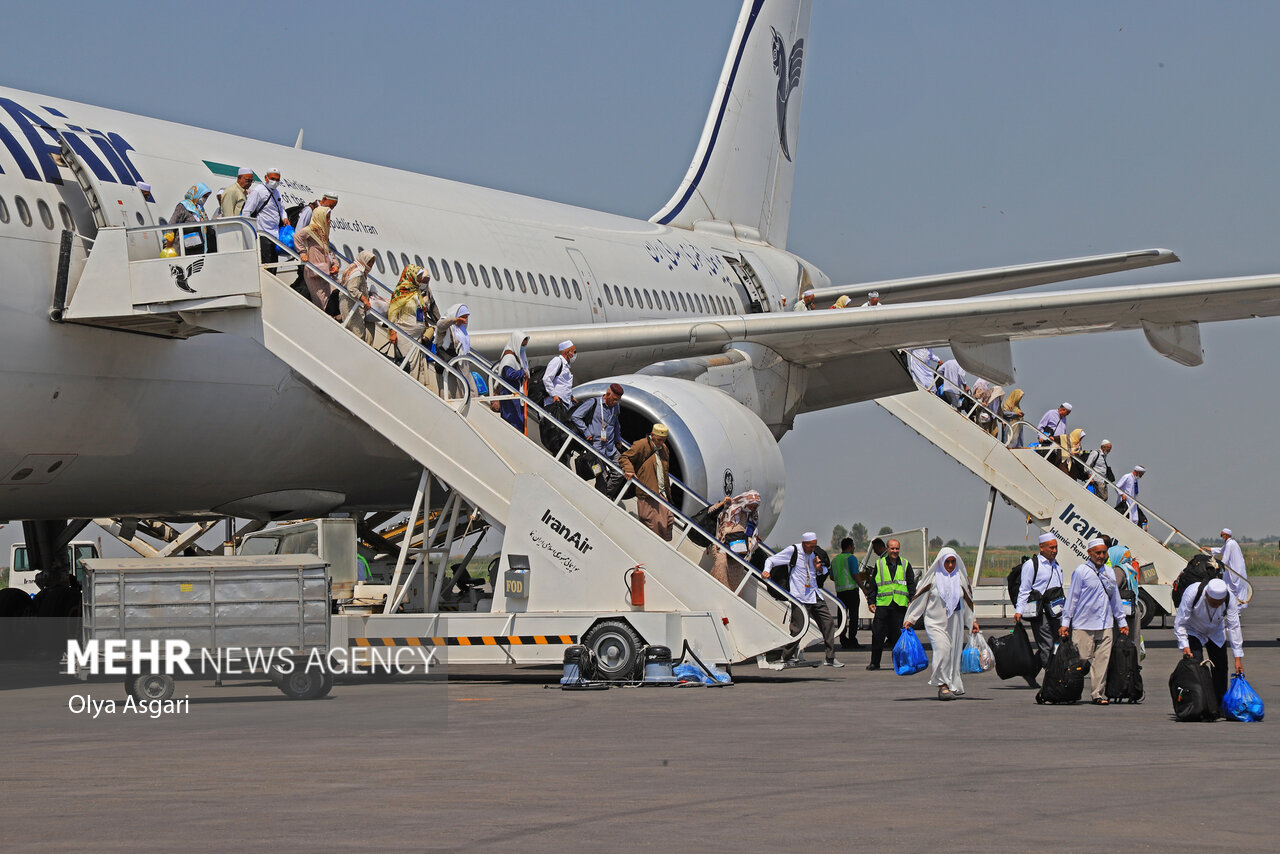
(1092, 606)
(1054, 423)
(233, 197)
(648, 460)
(1233, 559)
(557, 383)
(806, 301)
(806, 565)
(263, 205)
(921, 363)
(1206, 619)
(1042, 583)
(873, 300)
(1127, 502)
(1100, 468)
(145, 189)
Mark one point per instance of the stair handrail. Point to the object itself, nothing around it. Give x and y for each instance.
(382, 319)
(1008, 426)
(572, 439)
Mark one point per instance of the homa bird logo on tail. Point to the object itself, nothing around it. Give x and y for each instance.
(180, 276)
(788, 70)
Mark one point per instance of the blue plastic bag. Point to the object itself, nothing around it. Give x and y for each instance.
(286, 235)
(908, 654)
(689, 672)
(971, 658)
(1242, 703)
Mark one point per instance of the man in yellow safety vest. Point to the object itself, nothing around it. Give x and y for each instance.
(889, 590)
(844, 573)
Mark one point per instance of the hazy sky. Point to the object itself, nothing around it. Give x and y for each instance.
(933, 137)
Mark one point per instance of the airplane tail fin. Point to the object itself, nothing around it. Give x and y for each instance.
(741, 176)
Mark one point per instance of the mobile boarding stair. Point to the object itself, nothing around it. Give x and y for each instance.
(1050, 498)
(569, 552)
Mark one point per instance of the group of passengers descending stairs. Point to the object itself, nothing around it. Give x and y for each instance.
(1050, 498)
(469, 447)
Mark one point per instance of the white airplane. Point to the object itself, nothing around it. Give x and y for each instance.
(103, 423)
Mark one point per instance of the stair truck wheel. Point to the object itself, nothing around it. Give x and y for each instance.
(616, 648)
(1147, 608)
(305, 683)
(150, 686)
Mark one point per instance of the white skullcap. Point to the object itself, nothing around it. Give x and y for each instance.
(1065, 406)
(244, 170)
(809, 537)
(875, 294)
(807, 293)
(273, 172)
(565, 345)
(1226, 531)
(1048, 538)
(1096, 541)
(1106, 441)
(1216, 588)
(144, 186)
(1139, 469)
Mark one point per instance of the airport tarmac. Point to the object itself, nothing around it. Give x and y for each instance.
(816, 759)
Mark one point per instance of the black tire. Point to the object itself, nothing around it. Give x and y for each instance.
(1039, 699)
(1148, 610)
(616, 648)
(151, 686)
(305, 683)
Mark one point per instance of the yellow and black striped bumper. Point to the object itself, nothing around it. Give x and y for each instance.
(469, 640)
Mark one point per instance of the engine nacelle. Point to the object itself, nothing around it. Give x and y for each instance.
(718, 446)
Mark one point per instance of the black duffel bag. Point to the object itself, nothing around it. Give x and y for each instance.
(1191, 689)
(1015, 656)
(1063, 680)
(1124, 673)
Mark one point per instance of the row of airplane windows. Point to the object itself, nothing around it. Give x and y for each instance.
(42, 208)
(654, 299)
(549, 285)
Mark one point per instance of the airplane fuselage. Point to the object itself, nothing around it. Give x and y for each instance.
(117, 414)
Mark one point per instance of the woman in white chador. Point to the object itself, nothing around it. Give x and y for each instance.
(945, 600)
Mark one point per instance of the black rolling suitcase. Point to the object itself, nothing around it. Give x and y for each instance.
(1063, 680)
(1124, 673)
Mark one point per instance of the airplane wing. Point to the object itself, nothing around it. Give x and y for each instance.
(971, 283)
(978, 330)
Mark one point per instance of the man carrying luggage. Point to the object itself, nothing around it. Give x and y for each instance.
(1041, 575)
(1093, 604)
(1206, 619)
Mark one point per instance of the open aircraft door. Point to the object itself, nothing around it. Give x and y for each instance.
(589, 284)
(111, 204)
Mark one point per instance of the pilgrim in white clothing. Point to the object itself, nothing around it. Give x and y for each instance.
(945, 600)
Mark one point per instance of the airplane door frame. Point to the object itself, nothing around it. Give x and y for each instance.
(111, 205)
(579, 260)
(755, 270)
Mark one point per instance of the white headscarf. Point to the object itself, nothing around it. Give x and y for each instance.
(514, 356)
(461, 340)
(950, 585)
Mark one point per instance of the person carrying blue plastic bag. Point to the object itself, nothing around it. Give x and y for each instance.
(908, 654)
(945, 601)
(1208, 618)
(1241, 702)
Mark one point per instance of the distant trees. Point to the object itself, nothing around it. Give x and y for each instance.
(838, 533)
(953, 544)
(859, 534)
(885, 530)
(935, 543)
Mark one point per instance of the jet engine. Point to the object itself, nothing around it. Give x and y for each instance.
(718, 446)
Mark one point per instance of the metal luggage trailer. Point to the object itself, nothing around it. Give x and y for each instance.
(224, 607)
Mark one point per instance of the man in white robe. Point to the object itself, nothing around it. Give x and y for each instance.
(1233, 559)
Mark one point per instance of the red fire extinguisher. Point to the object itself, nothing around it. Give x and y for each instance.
(634, 580)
